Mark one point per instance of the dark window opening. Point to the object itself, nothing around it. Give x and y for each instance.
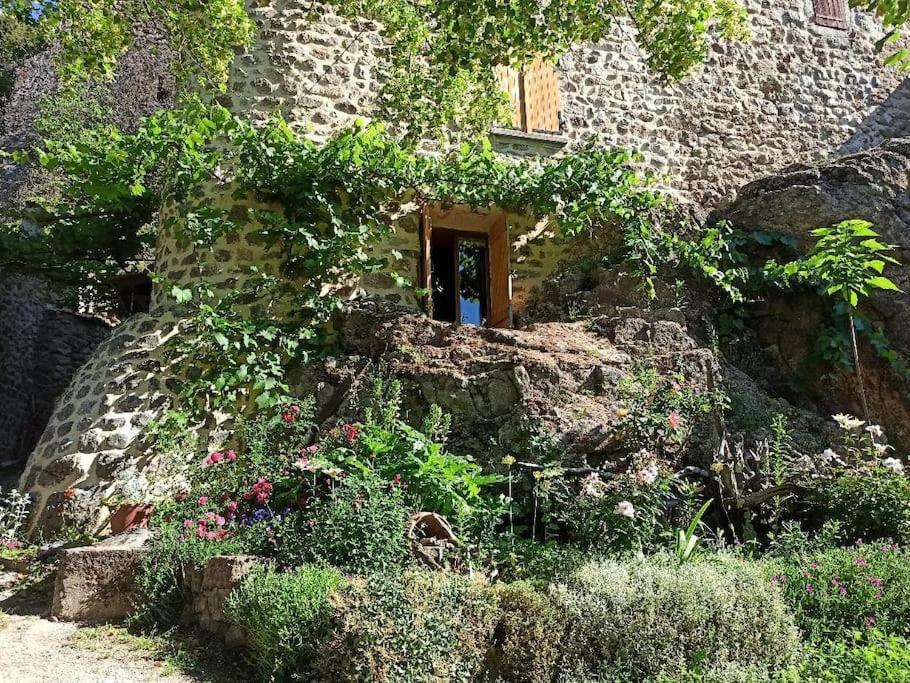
(459, 267)
(134, 293)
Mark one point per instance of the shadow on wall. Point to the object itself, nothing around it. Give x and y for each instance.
(41, 347)
(889, 120)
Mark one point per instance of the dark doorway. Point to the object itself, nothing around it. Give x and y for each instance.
(459, 266)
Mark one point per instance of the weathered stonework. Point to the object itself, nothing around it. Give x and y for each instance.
(796, 92)
(209, 588)
(41, 348)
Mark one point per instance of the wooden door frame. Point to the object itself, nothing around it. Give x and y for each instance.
(462, 220)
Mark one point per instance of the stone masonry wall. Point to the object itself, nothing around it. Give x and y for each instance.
(795, 93)
(41, 348)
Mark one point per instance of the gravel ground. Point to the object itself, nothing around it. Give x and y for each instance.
(34, 649)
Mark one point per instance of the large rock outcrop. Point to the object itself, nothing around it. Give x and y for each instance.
(875, 186)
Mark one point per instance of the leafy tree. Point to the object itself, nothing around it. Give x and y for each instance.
(894, 14)
(439, 70)
(847, 262)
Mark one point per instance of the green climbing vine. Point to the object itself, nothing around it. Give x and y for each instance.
(320, 212)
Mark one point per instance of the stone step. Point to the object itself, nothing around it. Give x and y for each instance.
(96, 584)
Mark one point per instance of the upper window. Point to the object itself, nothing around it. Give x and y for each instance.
(534, 94)
(831, 13)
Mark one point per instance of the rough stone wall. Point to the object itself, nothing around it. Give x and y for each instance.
(41, 348)
(796, 92)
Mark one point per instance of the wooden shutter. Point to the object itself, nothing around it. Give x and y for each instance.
(541, 97)
(500, 282)
(832, 13)
(426, 271)
(510, 83)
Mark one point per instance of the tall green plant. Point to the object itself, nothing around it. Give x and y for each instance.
(847, 263)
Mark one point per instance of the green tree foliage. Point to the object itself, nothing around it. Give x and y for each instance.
(894, 14)
(847, 263)
(439, 70)
(202, 35)
(112, 186)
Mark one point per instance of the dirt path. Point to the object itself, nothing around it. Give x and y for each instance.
(34, 649)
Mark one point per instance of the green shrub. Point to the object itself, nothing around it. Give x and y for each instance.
(651, 617)
(283, 616)
(420, 626)
(873, 657)
(869, 506)
(360, 528)
(520, 559)
(526, 637)
(160, 583)
(841, 590)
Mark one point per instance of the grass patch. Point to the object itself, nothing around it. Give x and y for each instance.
(177, 651)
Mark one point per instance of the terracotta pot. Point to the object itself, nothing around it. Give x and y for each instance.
(128, 517)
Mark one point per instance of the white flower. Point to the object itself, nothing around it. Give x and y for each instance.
(848, 422)
(648, 475)
(881, 449)
(894, 465)
(625, 508)
(828, 455)
(875, 431)
(592, 486)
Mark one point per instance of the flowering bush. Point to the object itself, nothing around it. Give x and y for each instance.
(841, 590)
(645, 618)
(626, 512)
(660, 411)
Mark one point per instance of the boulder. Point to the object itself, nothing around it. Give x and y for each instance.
(96, 584)
(873, 185)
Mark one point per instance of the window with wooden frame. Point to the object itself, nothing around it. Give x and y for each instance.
(534, 96)
(831, 13)
(465, 267)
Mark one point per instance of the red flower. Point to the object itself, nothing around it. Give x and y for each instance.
(69, 494)
(351, 433)
(291, 414)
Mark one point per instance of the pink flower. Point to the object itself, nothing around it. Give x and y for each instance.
(809, 589)
(870, 622)
(351, 433)
(291, 414)
(232, 506)
(260, 492)
(230, 456)
(674, 420)
(203, 500)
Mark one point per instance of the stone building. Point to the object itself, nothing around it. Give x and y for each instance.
(808, 86)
